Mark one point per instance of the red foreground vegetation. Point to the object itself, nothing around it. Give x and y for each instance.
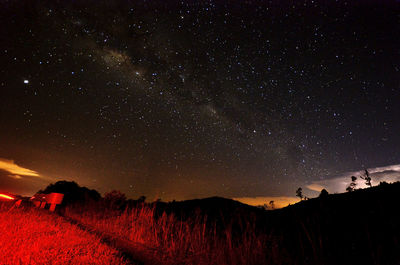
(31, 236)
(36, 236)
(175, 241)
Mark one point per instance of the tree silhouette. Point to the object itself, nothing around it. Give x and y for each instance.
(367, 178)
(115, 199)
(299, 193)
(272, 204)
(324, 193)
(352, 185)
(383, 183)
(142, 199)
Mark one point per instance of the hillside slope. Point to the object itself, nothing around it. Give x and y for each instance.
(361, 227)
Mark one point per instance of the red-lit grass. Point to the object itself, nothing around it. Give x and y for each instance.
(31, 236)
(182, 242)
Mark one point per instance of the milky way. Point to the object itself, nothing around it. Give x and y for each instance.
(191, 99)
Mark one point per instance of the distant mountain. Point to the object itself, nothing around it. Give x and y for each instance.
(217, 210)
(211, 205)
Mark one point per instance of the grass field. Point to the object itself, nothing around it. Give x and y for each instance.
(181, 242)
(31, 236)
(36, 236)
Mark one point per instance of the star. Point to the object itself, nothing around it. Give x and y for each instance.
(221, 94)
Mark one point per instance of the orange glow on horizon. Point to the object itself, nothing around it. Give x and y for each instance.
(279, 201)
(6, 197)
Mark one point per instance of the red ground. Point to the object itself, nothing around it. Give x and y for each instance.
(39, 237)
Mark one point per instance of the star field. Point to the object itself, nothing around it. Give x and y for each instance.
(188, 99)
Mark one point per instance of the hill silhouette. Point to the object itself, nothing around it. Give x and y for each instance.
(360, 227)
(212, 206)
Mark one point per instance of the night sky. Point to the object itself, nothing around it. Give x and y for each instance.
(190, 99)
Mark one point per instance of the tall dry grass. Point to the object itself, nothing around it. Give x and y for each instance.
(196, 241)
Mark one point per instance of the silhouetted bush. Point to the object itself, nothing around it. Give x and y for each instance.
(73, 193)
(383, 183)
(352, 185)
(324, 193)
(115, 200)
